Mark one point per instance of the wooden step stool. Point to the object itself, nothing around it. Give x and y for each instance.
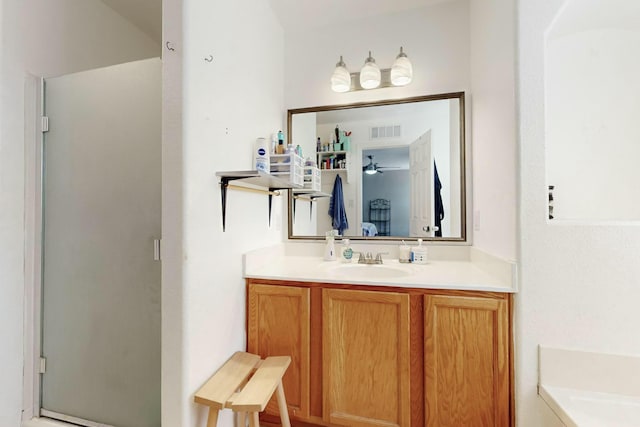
(233, 386)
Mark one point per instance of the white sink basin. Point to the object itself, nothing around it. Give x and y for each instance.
(376, 271)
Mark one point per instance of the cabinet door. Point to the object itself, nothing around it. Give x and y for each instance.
(278, 325)
(466, 362)
(366, 358)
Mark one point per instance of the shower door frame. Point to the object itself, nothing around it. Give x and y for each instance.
(32, 328)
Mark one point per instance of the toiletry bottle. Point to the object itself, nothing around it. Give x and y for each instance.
(261, 155)
(318, 145)
(280, 146)
(419, 253)
(330, 249)
(346, 254)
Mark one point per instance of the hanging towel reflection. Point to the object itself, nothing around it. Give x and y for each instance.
(439, 206)
(337, 211)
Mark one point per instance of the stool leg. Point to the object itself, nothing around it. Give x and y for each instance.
(282, 405)
(213, 418)
(242, 419)
(254, 421)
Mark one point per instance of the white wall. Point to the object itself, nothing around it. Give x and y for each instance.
(67, 36)
(435, 38)
(493, 129)
(228, 103)
(11, 219)
(173, 321)
(304, 134)
(591, 115)
(578, 284)
(454, 46)
(72, 35)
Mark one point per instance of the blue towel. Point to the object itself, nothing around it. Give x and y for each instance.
(439, 206)
(336, 207)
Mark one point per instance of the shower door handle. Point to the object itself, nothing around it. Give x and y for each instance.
(157, 254)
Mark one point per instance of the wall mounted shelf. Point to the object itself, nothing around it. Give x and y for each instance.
(306, 195)
(324, 161)
(251, 181)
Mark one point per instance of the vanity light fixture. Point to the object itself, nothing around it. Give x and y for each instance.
(371, 76)
(401, 70)
(341, 79)
(370, 73)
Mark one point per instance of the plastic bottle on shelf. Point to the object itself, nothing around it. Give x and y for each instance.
(280, 147)
(261, 155)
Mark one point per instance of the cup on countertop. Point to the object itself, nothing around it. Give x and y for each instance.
(404, 254)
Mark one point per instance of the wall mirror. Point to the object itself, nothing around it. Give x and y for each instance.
(400, 163)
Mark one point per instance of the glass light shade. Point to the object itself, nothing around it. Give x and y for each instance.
(370, 74)
(401, 70)
(341, 78)
(371, 171)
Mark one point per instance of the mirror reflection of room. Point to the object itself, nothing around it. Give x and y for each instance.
(399, 167)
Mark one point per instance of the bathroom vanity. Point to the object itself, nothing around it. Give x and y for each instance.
(430, 347)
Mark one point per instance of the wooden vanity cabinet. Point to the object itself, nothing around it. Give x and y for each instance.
(278, 324)
(466, 361)
(383, 356)
(366, 357)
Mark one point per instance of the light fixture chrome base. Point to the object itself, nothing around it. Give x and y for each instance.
(385, 80)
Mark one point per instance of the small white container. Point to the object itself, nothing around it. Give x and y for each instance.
(312, 178)
(289, 167)
(419, 253)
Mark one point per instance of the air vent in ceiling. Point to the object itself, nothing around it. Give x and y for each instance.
(385, 132)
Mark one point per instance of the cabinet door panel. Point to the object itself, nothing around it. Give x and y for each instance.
(278, 325)
(366, 358)
(466, 362)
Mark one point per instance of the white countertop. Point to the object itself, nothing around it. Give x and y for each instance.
(479, 272)
(586, 389)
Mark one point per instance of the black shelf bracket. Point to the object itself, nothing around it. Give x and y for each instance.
(310, 197)
(224, 187)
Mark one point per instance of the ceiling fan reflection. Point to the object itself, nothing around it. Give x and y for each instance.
(373, 168)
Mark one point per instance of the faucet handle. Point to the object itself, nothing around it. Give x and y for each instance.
(379, 257)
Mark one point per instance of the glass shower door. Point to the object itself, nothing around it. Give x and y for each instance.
(101, 284)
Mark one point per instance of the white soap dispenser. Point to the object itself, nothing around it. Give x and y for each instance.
(330, 249)
(419, 253)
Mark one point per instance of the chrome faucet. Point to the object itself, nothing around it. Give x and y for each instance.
(367, 258)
